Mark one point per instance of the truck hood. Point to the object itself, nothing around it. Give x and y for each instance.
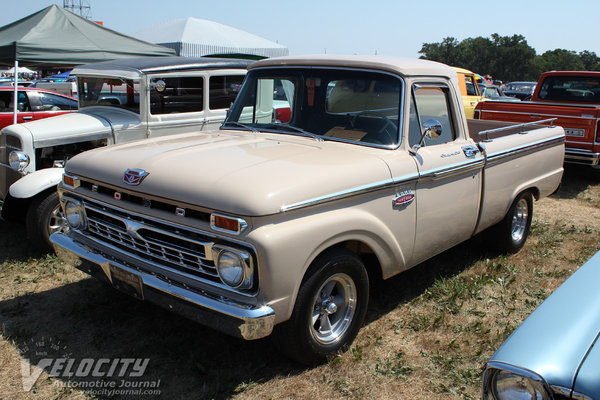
(80, 126)
(560, 335)
(235, 172)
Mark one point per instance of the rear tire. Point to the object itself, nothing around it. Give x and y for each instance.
(330, 309)
(44, 217)
(510, 234)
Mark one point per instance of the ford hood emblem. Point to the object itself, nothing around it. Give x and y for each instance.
(134, 176)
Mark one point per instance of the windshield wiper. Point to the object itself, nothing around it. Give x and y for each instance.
(295, 129)
(239, 125)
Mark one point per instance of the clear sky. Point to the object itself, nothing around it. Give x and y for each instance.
(385, 27)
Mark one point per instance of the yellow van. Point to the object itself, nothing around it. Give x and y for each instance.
(469, 90)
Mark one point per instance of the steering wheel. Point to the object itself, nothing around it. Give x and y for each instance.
(388, 123)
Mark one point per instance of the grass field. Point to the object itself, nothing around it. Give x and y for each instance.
(428, 332)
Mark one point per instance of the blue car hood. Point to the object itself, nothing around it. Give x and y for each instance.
(559, 338)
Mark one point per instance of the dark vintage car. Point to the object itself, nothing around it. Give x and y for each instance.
(492, 92)
(521, 90)
(555, 353)
(33, 104)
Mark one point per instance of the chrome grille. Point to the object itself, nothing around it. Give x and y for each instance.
(159, 243)
(8, 143)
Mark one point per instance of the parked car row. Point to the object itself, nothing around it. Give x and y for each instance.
(119, 101)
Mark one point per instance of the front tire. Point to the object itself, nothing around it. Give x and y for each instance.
(44, 217)
(330, 309)
(510, 234)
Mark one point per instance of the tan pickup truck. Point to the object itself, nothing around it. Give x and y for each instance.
(263, 227)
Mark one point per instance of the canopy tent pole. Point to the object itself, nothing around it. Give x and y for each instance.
(16, 92)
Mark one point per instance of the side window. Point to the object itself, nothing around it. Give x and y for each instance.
(223, 90)
(4, 101)
(176, 95)
(51, 102)
(271, 103)
(471, 86)
(431, 103)
(23, 103)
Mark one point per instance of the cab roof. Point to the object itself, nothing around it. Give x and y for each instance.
(136, 67)
(397, 65)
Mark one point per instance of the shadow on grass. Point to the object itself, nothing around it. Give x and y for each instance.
(89, 319)
(404, 287)
(576, 179)
(14, 245)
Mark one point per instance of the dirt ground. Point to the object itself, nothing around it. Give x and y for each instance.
(428, 333)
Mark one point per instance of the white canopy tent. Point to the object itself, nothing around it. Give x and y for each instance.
(194, 37)
(20, 70)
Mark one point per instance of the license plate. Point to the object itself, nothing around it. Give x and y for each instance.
(574, 132)
(127, 282)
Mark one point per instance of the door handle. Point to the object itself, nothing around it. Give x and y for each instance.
(27, 118)
(470, 151)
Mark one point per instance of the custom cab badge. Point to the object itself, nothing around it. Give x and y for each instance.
(404, 198)
(134, 176)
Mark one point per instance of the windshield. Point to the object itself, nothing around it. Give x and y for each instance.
(109, 92)
(571, 88)
(323, 104)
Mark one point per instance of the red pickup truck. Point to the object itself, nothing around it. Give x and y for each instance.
(573, 97)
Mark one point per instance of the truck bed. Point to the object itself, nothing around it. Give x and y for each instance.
(475, 126)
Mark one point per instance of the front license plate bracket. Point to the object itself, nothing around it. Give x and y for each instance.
(127, 282)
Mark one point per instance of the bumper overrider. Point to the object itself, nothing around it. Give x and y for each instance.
(240, 320)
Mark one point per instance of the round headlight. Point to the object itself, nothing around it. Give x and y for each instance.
(230, 267)
(509, 385)
(18, 160)
(73, 214)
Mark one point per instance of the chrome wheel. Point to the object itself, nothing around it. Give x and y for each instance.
(519, 220)
(57, 221)
(334, 307)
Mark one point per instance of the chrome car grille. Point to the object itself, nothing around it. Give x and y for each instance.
(8, 143)
(153, 241)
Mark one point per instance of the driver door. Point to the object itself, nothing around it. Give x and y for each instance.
(450, 167)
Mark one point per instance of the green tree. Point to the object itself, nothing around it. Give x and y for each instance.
(514, 58)
(561, 60)
(504, 57)
(445, 51)
(590, 60)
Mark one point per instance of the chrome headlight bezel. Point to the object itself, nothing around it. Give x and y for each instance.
(74, 213)
(495, 371)
(18, 160)
(234, 266)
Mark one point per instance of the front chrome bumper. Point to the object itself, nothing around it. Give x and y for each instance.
(579, 156)
(238, 320)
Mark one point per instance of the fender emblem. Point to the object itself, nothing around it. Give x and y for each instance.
(134, 176)
(403, 199)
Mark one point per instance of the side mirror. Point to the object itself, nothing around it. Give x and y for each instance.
(432, 129)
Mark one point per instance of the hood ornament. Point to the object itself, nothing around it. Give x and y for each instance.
(134, 176)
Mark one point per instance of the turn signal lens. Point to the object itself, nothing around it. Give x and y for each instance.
(68, 180)
(227, 224)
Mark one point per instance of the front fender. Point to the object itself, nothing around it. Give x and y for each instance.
(36, 182)
(287, 249)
